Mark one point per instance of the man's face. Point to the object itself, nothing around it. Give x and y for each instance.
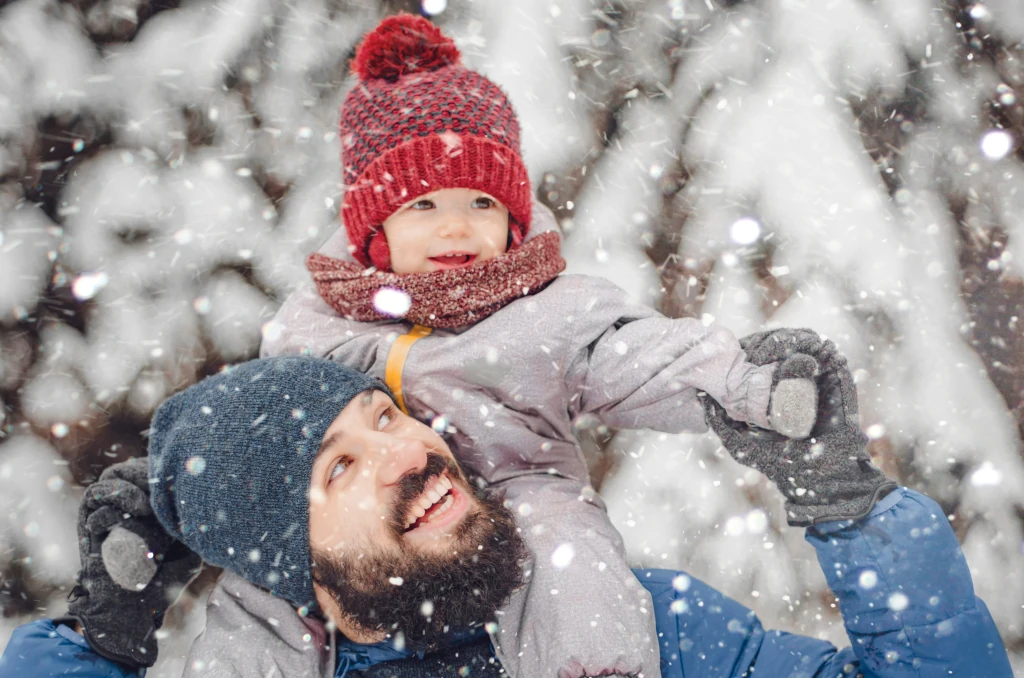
(401, 541)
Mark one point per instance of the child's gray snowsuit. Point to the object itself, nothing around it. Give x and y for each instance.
(511, 386)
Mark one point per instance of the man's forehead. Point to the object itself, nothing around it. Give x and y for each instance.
(342, 423)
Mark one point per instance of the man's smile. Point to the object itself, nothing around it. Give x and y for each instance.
(438, 507)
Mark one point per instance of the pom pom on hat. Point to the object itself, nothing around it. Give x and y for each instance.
(401, 45)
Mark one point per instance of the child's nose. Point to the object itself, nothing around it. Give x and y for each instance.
(455, 226)
(406, 456)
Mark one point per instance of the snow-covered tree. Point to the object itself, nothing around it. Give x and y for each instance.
(838, 166)
(163, 170)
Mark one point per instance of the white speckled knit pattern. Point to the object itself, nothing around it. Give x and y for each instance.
(449, 298)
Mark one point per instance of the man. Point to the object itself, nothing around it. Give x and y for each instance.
(354, 545)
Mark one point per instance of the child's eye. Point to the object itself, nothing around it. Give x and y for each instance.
(423, 205)
(386, 417)
(340, 467)
(483, 202)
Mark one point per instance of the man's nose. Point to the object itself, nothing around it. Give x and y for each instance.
(407, 456)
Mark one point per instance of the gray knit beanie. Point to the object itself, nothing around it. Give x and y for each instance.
(230, 461)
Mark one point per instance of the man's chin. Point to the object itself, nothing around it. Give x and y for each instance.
(424, 591)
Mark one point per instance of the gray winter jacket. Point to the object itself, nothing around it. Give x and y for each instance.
(251, 633)
(511, 387)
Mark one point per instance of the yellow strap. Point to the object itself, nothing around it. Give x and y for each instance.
(396, 361)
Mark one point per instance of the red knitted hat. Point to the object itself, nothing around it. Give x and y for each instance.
(419, 121)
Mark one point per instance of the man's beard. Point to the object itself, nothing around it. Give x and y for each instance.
(437, 592)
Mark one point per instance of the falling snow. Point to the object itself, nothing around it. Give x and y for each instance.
(851, 167)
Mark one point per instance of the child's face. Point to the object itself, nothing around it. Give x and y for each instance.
(450, 228)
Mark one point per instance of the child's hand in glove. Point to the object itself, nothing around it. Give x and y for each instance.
(793, 407)
(828, 476)
(132, 570)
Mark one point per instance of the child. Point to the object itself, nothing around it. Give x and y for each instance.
(454, 299)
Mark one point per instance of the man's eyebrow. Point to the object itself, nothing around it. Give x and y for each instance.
(330, 441)
(365, 399)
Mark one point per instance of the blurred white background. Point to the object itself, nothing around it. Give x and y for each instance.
(850, 166)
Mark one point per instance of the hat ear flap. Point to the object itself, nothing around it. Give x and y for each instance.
(377, 251)
(516, 233)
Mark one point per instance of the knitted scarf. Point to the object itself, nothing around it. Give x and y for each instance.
(444, 299)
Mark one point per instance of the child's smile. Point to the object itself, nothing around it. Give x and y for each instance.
(453, 260)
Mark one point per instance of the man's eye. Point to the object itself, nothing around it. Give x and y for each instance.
(386, 417)
(423, 205)
(483, 203)
(340, 467)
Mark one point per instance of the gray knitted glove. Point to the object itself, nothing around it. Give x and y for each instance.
(829, 476)
(132, 570)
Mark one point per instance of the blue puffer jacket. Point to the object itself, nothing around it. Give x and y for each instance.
(904, 590)
(903, 587)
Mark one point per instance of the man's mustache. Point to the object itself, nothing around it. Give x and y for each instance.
(412, 484)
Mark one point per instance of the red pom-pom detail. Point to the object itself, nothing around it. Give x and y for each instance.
(403, 44)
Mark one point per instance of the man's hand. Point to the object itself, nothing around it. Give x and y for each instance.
(828, 476)
(132, 570)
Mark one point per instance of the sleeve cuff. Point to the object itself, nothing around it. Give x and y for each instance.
(68, 633)
(884, 504)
